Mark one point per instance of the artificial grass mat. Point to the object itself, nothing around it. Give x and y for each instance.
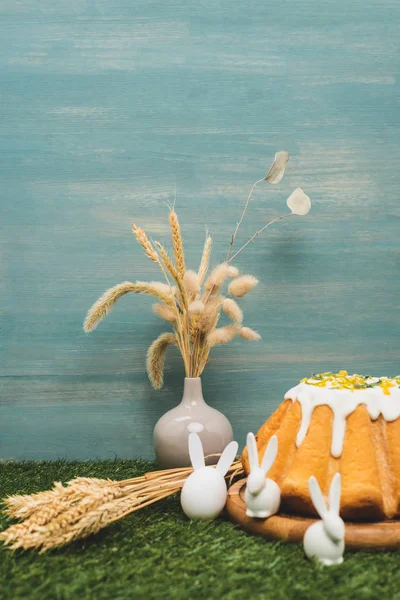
(158, 553)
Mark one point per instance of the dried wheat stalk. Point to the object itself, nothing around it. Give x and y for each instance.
(177, 243)
(84, 506)
(144, 241)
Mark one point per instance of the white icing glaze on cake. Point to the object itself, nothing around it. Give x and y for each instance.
(342, 401)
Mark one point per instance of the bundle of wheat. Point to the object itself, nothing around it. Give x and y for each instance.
(85, 505)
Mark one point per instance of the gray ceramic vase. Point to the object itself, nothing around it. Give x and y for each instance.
(192, 414)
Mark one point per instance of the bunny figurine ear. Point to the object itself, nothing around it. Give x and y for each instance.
(227, 458)
(317, 497)
(196, 451)
(252, 450)
(334, 494)
(270, 454)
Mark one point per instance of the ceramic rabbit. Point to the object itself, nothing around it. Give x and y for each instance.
(262, 496)
(324, 540)
(204, 492)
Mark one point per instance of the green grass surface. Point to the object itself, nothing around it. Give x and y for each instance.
(158, 553)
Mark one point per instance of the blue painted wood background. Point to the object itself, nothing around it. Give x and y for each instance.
(106, 105)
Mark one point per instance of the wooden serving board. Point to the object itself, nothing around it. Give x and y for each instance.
(383, 535)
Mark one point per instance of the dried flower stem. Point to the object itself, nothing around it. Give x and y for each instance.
(258, 233)
(241, 218)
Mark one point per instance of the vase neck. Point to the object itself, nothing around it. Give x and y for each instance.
(192, 392)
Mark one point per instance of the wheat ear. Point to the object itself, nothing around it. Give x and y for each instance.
(205, 259)
(177, 243)
(104, 304)
(174, 272)
(144, 241)
(156, 357)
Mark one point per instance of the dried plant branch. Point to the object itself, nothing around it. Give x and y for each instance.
(241, 218)
(253, 237)
(156, 358)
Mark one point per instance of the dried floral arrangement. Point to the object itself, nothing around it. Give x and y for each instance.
(59, 516)
(190, 300)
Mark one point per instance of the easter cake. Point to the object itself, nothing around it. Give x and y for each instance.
(335, 422)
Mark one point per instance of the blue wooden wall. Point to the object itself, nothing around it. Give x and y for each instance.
(105, 106)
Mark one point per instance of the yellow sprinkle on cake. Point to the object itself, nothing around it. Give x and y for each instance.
(342, 380)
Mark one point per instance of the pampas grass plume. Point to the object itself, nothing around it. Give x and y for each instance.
(249, 334)
(242, 285)
(233, 310)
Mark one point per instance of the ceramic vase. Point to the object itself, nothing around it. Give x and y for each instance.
(191, 415)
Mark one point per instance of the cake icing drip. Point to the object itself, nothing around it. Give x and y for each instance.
(343, 393)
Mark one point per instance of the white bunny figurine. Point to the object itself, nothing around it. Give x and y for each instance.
(262, 495)
(204, 492)
(324, 540)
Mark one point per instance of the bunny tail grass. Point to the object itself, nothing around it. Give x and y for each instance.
(156, 358)
(104, 304)
(85, 505)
